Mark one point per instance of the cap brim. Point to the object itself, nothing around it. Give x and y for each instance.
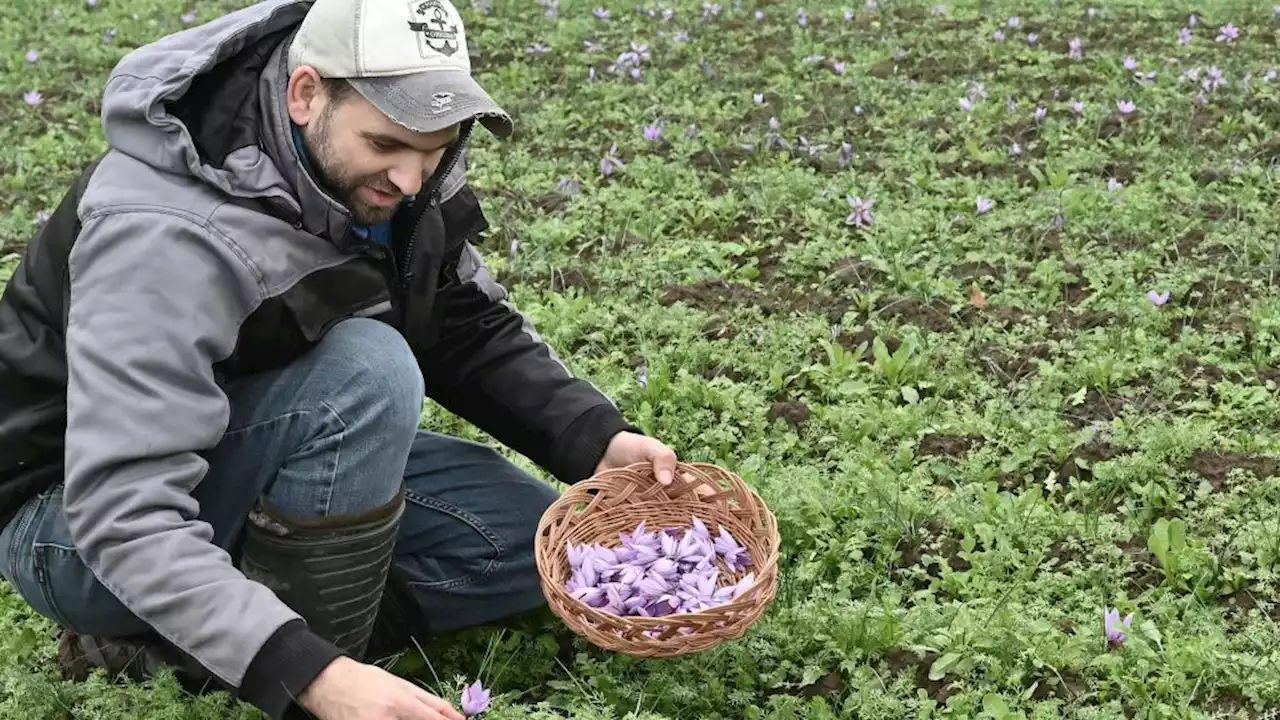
(433, 100)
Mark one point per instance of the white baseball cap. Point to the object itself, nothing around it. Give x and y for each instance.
(407, 57)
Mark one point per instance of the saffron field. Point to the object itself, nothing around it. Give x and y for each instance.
(980, 297)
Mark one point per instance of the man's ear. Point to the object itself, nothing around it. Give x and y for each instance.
(305, 95)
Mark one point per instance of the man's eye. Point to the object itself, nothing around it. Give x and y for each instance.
(383, 146)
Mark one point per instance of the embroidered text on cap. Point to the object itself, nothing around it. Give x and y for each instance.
(430, 20)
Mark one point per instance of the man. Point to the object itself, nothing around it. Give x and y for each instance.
(214, 355)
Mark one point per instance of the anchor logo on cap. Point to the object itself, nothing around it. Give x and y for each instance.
(434, 26)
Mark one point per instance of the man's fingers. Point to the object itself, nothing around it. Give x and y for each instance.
(664, 465)
(446, 710)
(440, 709)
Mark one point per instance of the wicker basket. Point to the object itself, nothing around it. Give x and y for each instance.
(598, 509)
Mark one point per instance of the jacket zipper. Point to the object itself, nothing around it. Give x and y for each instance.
(406, 274)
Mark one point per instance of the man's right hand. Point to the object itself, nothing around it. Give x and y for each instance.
(350, 690)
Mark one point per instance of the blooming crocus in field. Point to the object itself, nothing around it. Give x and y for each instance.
(845, 155)
(1227, 33)
(802, 18)
(681, 36)
(1016, 150)
(537, 49)
(475, 699)
(610, 161)
(759, 15)
(515, 246)
(758, 98)
(1130, 63)
(601, 13)
(33, 98)
(653, 133)
(984, 205)
(32, 56)
(1193, 20)
(838, 67)
(1157, 299)
(966, 104)
(1113, 185)
(998, 36)
(1040, 113)
(1014, 21)
(1078, 107)
(1125, 107)
(1075, 48)
(1270, 76)
(1115, 628)
(861, 215)
(1033, 38)
(1214, 80)
(848, 15)
(1184, 36)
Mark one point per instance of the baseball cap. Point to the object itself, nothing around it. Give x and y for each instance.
(407, 57)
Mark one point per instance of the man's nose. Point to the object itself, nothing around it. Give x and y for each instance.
(407, 177)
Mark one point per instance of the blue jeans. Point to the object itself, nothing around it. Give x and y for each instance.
(335, 432)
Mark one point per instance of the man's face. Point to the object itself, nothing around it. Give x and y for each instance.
(367, 161)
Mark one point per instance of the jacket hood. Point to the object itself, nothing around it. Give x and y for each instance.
(209, 103)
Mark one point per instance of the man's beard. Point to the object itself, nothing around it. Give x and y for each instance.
(342, 186)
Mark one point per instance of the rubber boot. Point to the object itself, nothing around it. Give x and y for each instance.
(331, 571)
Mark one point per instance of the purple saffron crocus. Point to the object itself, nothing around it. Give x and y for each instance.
(1184, 36)
(845, 155)
(984, 205)
(998, 36)
(601, 13)
(610, 161)
(1033, 38)
(1040, 113)
(33, 98)
(1114, 185)
(861, 215)
(1115, 628)
(1075, 48)
(1158, 299)
(1014, 21)
(735, 555)
(1228, 33)
(1126, 107)
(652, 133)
(966, 104)
(1078, 107)
(475, 699)
(1130, 63)
(32, 56)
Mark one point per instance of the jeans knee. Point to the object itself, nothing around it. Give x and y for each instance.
(383, 380)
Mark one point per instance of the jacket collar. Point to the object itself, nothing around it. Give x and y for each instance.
(321, 214)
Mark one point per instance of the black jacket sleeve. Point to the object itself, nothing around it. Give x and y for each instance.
(489, 366)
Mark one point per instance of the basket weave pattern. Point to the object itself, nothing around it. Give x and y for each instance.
(599, 509)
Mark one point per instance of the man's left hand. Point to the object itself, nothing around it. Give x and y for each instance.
(628, 448)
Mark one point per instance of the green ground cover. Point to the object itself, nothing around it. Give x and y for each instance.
(980, 299)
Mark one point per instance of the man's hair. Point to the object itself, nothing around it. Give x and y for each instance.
(337, 89)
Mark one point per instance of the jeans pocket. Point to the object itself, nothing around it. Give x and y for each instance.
(443, 547)
(49, 577)
(73, 597)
